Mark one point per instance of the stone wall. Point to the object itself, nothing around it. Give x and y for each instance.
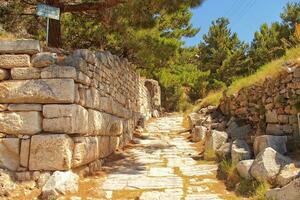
(64, 112)
(271, 106)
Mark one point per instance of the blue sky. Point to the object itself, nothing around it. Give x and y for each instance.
(245, 16)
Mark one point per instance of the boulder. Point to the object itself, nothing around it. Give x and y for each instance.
(215, 140)
(51, 152)
(287, 174)
(288, 192)
(70, 119)
(55, 71)
(199, 133)
(86, 150)
(267, 165)
(240, 151)
(60, 183)
(37, 91)
(238, 131)
(12, 61)
(25, 73)
(9, 153)
(243, 167)
(43, 59)
(17, 123)
(4, 74)
(195, 119)
(278, 143)
(20, 46)
(224, 151)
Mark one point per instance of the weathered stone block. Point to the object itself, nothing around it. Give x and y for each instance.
(105, 104)
(243, 168)
(51, 152)
(25, 107)
(16, 123)
(104, 149)
(56, 71)
(278, 143)
(38, 91)
(44, 59)
(240, 151)
(113, 144)
(287, 174)
(271, 117)
(25, 73)
(68, 119)
(199, 133)
(9, 153)
(83, 79)
(288, 192)
(86, 150)
(4, 74)
(274, 129)
(20, 46)
(11, 61)
(24, 153)
(215, 140)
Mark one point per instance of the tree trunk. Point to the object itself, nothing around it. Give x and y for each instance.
(54, 38)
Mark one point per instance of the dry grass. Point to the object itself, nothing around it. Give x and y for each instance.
(272, 69)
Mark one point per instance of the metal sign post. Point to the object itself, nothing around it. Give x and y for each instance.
(49, 12)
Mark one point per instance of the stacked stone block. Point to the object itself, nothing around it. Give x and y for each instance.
(63, 115)
(271, 106)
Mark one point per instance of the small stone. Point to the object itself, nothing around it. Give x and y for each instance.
(240, 151)
(25, 107)
(9, 153)
(243, 167)
(43, 178)
(23, 176)
(43, 59)
(55, 71)
(25, 73)
(12, 61)
(24, 153)
(60, 183)
(199, 133)
(3, 107)
(7, 185)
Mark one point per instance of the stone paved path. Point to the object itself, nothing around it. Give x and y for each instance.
(160, 166)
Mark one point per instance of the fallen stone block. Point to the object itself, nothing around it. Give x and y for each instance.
(24, 153)
(278, 143)
(267, 165)
(20, 46)
(70, 119)
(287, 174)
(9, 153)
(86, 150)
(38, 91)
(240, 151)
(243, 167)
(215, 140)
(51, 152)
(44, 59)
(12, 61)
(199, 133)
(55, 71)
(104, 149)
(195, 119)
(20, 123)
(224, 151)
(25, 73)
(60, 183)
(239, 131)
(288, 192)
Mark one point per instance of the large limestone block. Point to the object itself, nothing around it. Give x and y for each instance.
(288, 192)
(215, 140)
(60, 183)
(51, 152)
(11, 61)
(25, 73)
(278, 143)
(9, 153)
(104, 146)
(24, 153)
(243, 168)
(287, 174)
(38, 91)
(86, 150)
(267, 165)
(4, 74)
(20, 46)
(16, 123)
(114, 143)
(70, 119)
(44, 59)
(25, 107)
(224, 151)
(199, 133)
(106, 104)
(104, 124)
(195, 119)
(240, 151)
(55, 71)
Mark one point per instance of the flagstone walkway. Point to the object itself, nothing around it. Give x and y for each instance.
(161, 165)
